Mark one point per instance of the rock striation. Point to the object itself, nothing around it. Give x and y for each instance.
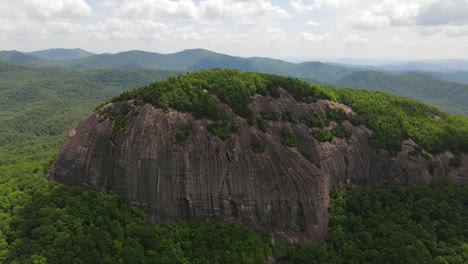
(278, 190)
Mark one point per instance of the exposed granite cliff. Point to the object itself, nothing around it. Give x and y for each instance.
(204, 176)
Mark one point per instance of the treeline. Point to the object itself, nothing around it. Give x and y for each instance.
(191, 92)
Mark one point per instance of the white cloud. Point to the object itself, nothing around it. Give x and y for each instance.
(349, 40)
(207, 9)
(444, 12)
(63, 27)
(301, 7)
(213, 8)
(355, 40)
(21, 30)
(387, 13)
(396, 40)
(400, 13)
(456, 31)
(274, 34)
(141, 29)
(370, 21)
(316, 38)
(56, 8)
(447, 30)
(109, 4)
(44, 10)
(157, 9)
(312, 23)
(399, 41)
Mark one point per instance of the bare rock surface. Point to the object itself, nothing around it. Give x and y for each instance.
(278, 190)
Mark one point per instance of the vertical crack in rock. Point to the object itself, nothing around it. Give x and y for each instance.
(112, 168)
(157, 188)
(225, 180)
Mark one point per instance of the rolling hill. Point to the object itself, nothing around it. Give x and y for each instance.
(187, 60)
(459, 76)
(58, 98)
(61, 54)
(16, 57)
(451, 97)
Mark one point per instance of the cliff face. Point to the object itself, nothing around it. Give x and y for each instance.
(278, 190)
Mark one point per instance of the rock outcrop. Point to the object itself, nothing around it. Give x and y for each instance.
(279, 189)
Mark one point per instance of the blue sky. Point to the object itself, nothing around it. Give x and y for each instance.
(295, 29)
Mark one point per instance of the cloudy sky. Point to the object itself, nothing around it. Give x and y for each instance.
(295, 29)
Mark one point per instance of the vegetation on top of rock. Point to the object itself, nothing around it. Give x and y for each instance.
(288, 138)
(336, 114)
(222, 128)
(340, 131)
(457, 159)
(322, 135)
(289, 116)
(261, 125)
(270, 115)
(393, 119)
(120, 119)
(182, 134)
(314, 120)
(121, 123)
(258, 146)
(191, 92)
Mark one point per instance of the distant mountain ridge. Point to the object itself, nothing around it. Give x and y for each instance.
(20, 58)
(61, 54)
(428, 87)
(187, 60)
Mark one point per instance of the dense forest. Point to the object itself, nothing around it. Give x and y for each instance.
(43, 222)
(390, 224)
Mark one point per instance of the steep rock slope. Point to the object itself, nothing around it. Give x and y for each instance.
(132, 148)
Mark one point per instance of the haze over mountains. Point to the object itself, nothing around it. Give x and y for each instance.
(437, 86)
